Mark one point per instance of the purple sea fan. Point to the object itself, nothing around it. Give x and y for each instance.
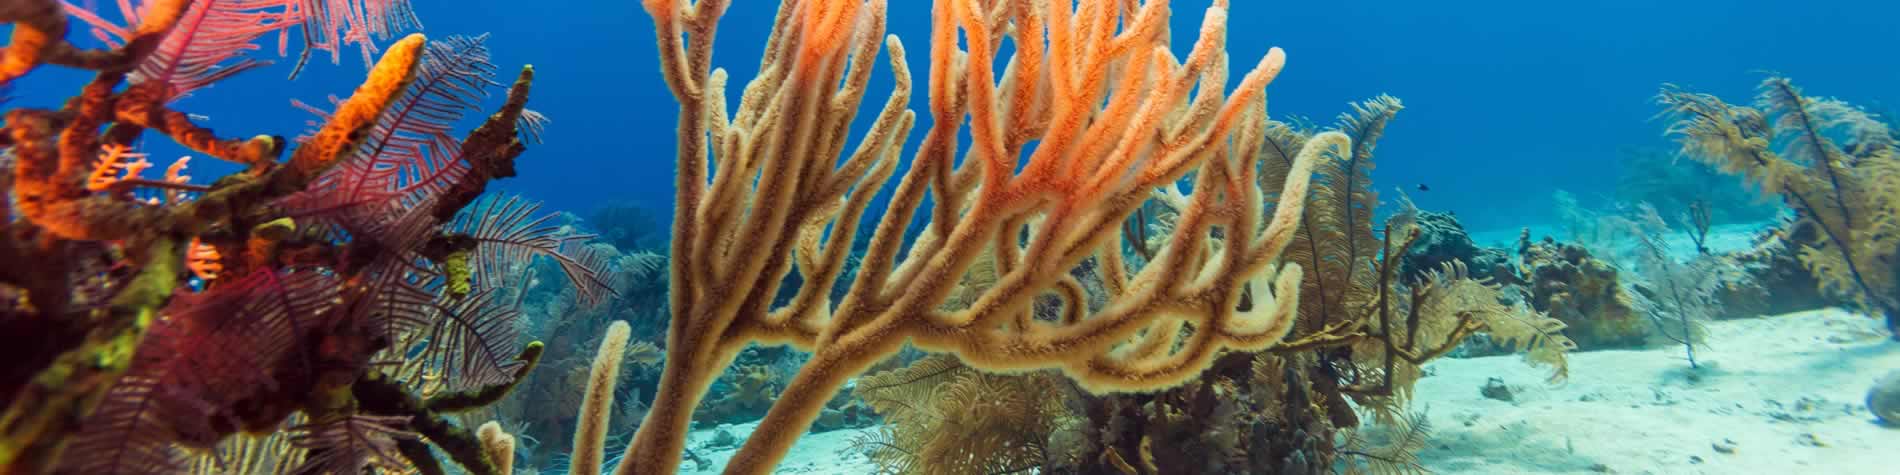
(214, 363)
(207, 44)
(409, 156)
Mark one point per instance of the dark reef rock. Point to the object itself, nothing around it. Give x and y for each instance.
(1582, 291)
(1442, 240)
(1774, 281)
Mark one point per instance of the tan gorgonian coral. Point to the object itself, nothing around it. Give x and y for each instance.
(1381, 322)
(1113, 114)
(590, 438)
(942, 417)
(1848, 190)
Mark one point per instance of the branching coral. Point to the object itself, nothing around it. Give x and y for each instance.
(1112, 119)
(1681, 295)
(127, 369)
(1366, 329)
(1836, 166)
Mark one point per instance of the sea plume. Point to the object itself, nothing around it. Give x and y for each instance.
(209, 356)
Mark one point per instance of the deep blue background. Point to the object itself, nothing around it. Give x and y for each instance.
(1506, 100)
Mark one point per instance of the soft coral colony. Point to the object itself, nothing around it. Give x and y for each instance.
(1092, 116)
(347, 293)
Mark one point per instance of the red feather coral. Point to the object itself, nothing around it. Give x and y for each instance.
(130, 369)
(206, 45)
(409, 155)
(209, 356)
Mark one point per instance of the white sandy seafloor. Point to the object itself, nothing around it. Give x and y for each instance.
(1784, 394)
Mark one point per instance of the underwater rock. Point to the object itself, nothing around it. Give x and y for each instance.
(1494, 388)
(749, 390)
(1884, 399)
(723, 438)
(1772, 280)
(1442, 240)
(1582, 291)
(1726, 446)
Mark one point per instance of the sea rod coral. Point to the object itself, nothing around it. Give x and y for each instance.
(339, 298)
(1113, 115)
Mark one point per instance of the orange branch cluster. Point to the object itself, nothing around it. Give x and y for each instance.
(1115, 117)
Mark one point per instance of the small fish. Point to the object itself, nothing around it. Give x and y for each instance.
(1424, 187)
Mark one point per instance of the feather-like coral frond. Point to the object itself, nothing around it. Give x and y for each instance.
(206, 353)
(1789, 144)
(508, 236)
(409, 156)
(347, 445)
(207, 44)
(472, 343)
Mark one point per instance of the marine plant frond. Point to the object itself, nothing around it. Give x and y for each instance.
(1844, 189)
(532, 124)
(900, 389)
(408, 156)
(1734, 139)
(1366, 124)
(246, 454)
(1279, 146)
(472, 343)
(881, 447)
(400, 296)
(349, 444)
(992, 424)
(129, 432)
(206, 353)
(508, 236)
(1539, 336)
(208, 44)
(1398, 452)
(329, 25)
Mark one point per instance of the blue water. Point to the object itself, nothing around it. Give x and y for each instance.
(1505, 100)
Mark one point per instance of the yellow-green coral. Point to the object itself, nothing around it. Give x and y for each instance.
(459, 273)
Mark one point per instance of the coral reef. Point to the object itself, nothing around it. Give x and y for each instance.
(1582, 291)
(1442, 240)
(340, 298)
(1772, 280)
(1847, 190)
(1290, 408)
(629, 226)
(749, 392)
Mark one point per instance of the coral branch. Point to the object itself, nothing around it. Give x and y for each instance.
(785, 195)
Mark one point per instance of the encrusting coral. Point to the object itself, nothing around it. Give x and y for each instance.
(1112, 119)
(1583, 291)
(1848, 190)
(339, 299)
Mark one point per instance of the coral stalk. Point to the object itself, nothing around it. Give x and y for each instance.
(787, 194)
